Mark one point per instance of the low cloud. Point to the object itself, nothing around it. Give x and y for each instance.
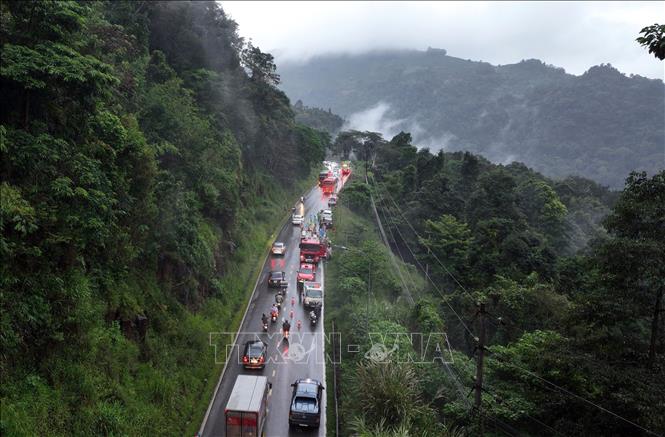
(572, 35)
(375, 119)
(380, 118)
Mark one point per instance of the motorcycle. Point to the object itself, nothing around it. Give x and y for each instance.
(265, 326)
(286, 326)
(313, 318)
(273, 316)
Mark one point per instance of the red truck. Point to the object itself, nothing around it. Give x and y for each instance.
(306, 272)
(323, 175)
(329, 185)
(312, 250)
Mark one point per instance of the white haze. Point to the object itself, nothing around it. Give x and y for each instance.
(572, 35)
(379, 118)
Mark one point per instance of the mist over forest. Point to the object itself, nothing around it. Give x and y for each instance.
(601, 124)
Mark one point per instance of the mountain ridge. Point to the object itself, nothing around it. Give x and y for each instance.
(601, 124)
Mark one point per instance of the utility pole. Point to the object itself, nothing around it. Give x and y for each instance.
(479, 365)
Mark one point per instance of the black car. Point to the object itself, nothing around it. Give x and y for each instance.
(254, 356)
(306, 403)
(276, 278)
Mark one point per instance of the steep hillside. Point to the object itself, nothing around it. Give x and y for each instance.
(600, 125)
(146, 159)
(573, 341)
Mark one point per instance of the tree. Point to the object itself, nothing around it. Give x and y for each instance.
(654, 40)
(261, 65)
(542, 207)
(448, 240)
(636, 225)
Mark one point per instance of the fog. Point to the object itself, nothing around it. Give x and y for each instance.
(572, 35)
(379, 118)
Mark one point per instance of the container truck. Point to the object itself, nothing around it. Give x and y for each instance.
(246, 411)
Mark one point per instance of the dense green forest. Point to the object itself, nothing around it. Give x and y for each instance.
(147, 156)
(571, 276)
(601, 125)
(318, 118)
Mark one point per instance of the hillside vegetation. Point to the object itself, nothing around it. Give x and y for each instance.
(600, 125)
(146, 159)
(318, 118)
(567, 331)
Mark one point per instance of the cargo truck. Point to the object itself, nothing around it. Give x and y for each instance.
(298, 216)
(245, 413)
(329, 185)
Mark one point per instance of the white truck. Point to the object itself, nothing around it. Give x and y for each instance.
(246, 411)
(312, 294)
(298, 216)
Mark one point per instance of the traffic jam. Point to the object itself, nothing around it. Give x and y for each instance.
(246, 412)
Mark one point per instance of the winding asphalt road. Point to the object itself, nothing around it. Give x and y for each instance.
(301, 357)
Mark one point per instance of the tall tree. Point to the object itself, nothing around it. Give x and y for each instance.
(636, 252)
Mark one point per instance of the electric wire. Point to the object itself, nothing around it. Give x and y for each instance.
(561, 389)
(576, 396)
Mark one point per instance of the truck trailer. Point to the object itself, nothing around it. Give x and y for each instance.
(246, 411)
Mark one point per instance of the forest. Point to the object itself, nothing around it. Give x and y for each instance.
(147, 156)
(570, 276)
(318, 118)
(600, 125)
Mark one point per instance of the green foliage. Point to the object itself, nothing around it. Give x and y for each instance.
(261, 65)
(357, 195)
(129, 183)
(318, 118)
(574, 309)
(653, 39)
(449, 240)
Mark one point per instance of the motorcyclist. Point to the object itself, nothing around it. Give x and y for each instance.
(286, 326)
(264, 319)
(274, 309)
(279, 299)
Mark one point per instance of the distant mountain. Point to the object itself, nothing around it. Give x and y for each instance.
(601, 124)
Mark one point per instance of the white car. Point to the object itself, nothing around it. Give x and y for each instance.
(297, 219)
(278, 248)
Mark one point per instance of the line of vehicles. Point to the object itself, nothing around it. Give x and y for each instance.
(246, 410)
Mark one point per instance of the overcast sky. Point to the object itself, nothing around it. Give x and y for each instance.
(572, 35)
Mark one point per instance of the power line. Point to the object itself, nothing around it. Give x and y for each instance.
(503, 426)
(568, 392)
(559, 388)
(394, 240)
(420, 240)
(392, 221)
(385, 239)
(436, 287)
